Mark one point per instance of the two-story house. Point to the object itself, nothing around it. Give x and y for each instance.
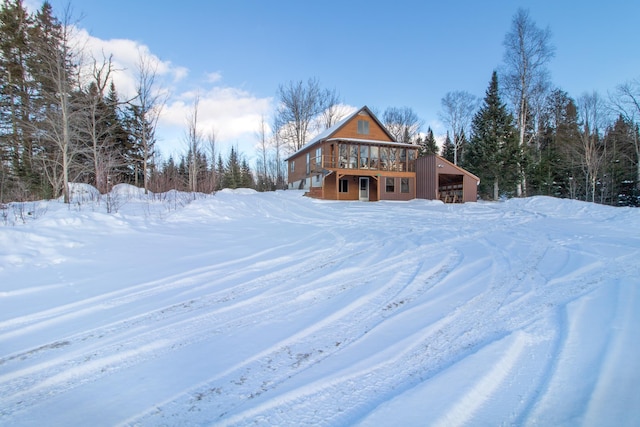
(358, 159)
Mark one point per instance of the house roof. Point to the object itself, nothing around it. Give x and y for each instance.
(327, 133)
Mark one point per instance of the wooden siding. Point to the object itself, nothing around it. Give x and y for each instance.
(397, 194)
(300, 171)
(330, 187)
(353, 188)
(350, 130)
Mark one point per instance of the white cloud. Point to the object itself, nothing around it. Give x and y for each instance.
(234, 114)
(214, 77)
(125, 59)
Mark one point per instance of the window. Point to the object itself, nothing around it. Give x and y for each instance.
(374, 157)
(293, 166)
(344, 186)
(390, 186)
(363, 127)
(384, 158)
(412, 163)
(364, 157)
(404, 185)
(319, 156)
(343, 149)
(403, 159)
(393, 157)
(308, 163)
(353, 157)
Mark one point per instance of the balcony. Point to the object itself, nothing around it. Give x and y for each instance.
(333, 163)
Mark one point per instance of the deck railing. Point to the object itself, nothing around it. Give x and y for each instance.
(332, 163)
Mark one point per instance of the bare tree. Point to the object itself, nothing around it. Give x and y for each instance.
(626, 101)
(300, 105)
(58, 75)
(278, 147)
(403, 123)
(263, 151)
(528, 50)
(194, 142)
(590, 108)
(96, 128)
(458, 108)
(332, 112)
(147, 105)
(211, 145)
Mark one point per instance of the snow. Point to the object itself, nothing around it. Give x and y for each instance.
(251, 308)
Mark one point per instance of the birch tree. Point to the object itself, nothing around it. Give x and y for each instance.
(96, 128)
(591, 153)
(194, 142)
(458, 108)
(528, 50)
(57, 75)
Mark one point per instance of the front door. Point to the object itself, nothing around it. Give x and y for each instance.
(364, 189)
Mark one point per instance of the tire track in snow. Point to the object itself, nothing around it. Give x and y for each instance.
(311, 345)
(114, 334)
(439, 347)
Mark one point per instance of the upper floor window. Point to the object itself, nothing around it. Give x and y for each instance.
(363, 127)
(308, 163)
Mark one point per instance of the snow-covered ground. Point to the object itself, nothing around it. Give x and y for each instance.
(276, 309)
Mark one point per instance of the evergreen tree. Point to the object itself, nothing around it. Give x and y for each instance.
(428, 145)
(553, 174)
(448, 149)
(16, 140)
(220, 171)
(620, 174)
(120, 143)
(493, 151)
(232, 177)
(246, 176)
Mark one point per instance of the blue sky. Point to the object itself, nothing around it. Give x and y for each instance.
(234, 54)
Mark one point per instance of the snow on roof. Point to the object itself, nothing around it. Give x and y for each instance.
(325, 133)
(329, 131)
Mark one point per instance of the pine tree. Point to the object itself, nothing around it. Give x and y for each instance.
(18, 169)
(246, 176)
(493, 151)
(428, 145)
(220, 171)
(232, 177)
(448, 149)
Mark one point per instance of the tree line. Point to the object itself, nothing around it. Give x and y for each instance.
(541, 141)
(62, 120)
